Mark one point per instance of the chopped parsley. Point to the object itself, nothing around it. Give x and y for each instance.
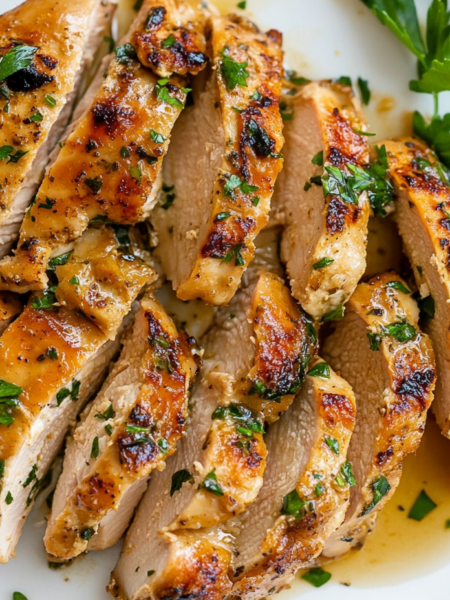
(73, 393)
(399, 286)
(95, 450)
(235, 253)
(163, 445)
(374, 340)
(178, 479)
(380, 487)
(318, 159)
(125, 54)
(94, 185)
(50, 101)
(402, 332)
(168, 42)
(364, 90)
(332, 443)
(87, 534)
(323, 262)
(16, 59)
(158, 138)
(211, 484)
(421, 507)
(74, 280)
(31, 476)
(57, 261)
(162, 93)
(321, 370)
(2, 468)
(242, 5)
(347, 472)
(19, 596)
(9, 400)
(8, 152)
(344, 80)
(233, 72)
(136, 173)
(296, 79)
(222, 216)
(334, 315)
(48, 204)
(427, 307)
(319, 489)
(36, 117)
(47, 299)
(242, 415)
(108, 414)
(9, 499)
(294, 506)
(317, 577)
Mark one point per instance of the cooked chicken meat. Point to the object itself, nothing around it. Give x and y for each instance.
(390, 365)
(255, 359)
(107, 170)
(51, 361)
(57, 40)
(172, 36)
(224, 160)
(306, 487)
(325, 215)
(133, 426)
(10, 307)
(422, 205)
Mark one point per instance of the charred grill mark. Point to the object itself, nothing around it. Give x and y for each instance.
(336, 216)
(109, 113)
(445, 245)
(155, 18)
(50, 62)
(338, 409)
(345, 145)
(422, 181)
(135, 454)
(254, 135)
(97, 495)
(226, 234)
(417, 385)
(28, 79)
(385, 456)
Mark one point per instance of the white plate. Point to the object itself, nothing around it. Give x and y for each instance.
(323, 39)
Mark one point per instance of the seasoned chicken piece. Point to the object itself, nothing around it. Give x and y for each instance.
(48, 46)
(51, 361)
(324, 241)
(108, 169)
(423, 219)
(105, 286)
(255, 360)
(172, 38)
(224, 160)
(10, 307)
(389, 363)
(306, 487)
(132, 428)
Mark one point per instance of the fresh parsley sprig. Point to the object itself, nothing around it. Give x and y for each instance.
(433, 61)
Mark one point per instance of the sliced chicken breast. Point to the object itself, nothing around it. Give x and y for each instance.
(325, 214)
(132, 427)
(108, 169)
(390, 365)
(10, 307)
(172, 36)
(58, 40)
(423, 219)
(217, 194)
(51, 361)
(255, 359)
(306, 487)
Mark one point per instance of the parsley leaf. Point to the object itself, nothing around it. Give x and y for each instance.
(380, 487)
(178, 479)
(234, 73)
(364, 90)
(16, 59)
(211, 484)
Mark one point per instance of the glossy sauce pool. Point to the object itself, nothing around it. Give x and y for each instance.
(399, 549)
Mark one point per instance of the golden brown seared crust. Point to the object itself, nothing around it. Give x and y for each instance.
(251, 162)
(407, 359)
(330, 113)
(108, 169)
(171, 37)
(140, 439)
(292, 542)
(57, 28)
(104, 287)
(198, 570)
(27, 350)
(422, 216)
(10, 306)
(235, 450)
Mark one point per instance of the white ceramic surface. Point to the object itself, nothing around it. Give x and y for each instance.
(323, 39)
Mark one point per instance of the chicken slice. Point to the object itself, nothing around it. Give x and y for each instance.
(217, 194)
(132, 428)
(255, 359)
(172, 36)
(324, 241)
(108, 169)
(105, 286)
(306, 487)
(10, 307)
(60, 38)
(390, 365)
(422, 216)
(51, 361)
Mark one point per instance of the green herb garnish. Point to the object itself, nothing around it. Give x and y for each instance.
(16, 59)
(95, 450)
(211, 484)
(317, 577)
(321, 370)
(323, 262)
(108, 414)
(178, 479)
(233, 72)
(364, 90)
(421, 507)
(57, 261)
(399, 286)
(380, 487)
